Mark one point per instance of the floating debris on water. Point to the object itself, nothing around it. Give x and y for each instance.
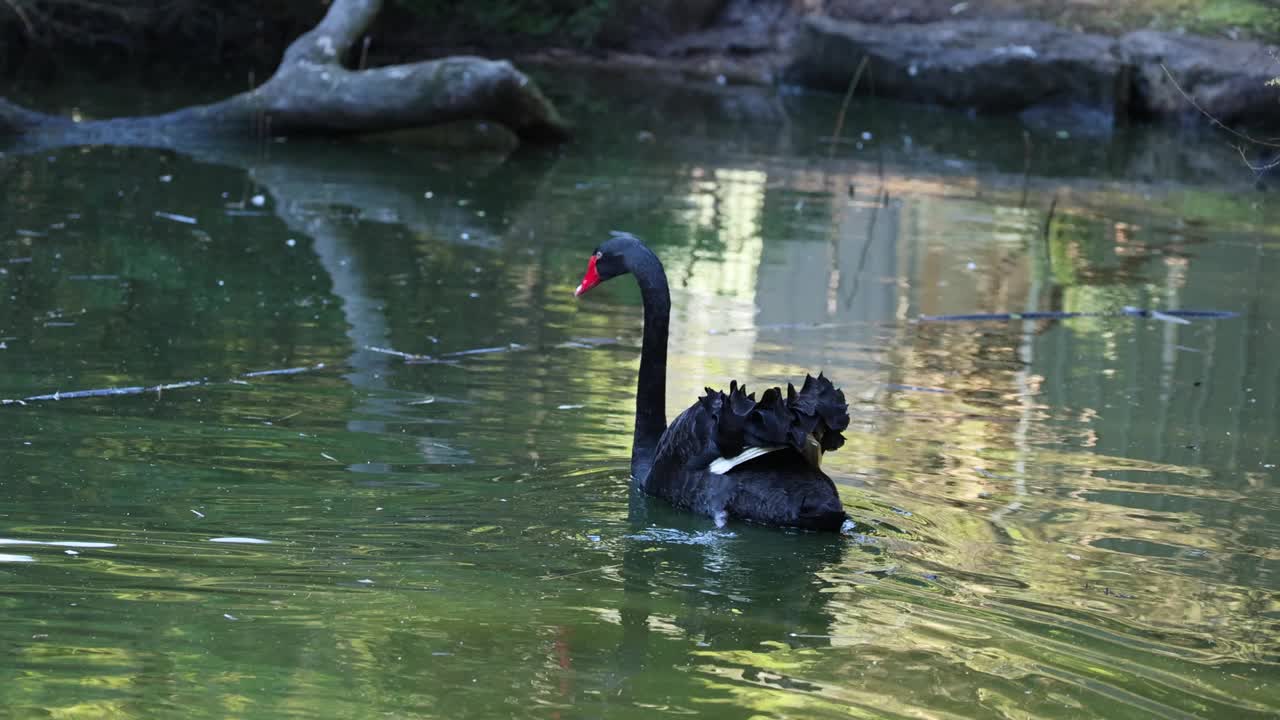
(284, 371)
(1177, 316)
(485, 350)
(58, 543)
(588, 342)
(185, 219)
(397, 353)
(1166, 317)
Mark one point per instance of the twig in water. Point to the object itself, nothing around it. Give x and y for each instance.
(1212, 119)
(580, 572)
(509, 347)
(1177, 316)
(1026, 166)
(844, 105)
(284, 371)
(112, 392)
(1048, 221)
(397, 353)
(866, 246)
(1257, 168)
(157, 389)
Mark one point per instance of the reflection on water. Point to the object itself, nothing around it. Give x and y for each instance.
(1056, 518)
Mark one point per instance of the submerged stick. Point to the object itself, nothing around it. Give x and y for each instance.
(449, 358)
(1178, 316)
(141, 389)
(580, 572)
(844, 105)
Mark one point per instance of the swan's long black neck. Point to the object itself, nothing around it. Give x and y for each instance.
(651, 389)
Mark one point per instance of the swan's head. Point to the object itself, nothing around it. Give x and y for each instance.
(610, 260)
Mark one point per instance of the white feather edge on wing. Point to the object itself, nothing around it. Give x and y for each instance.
(722, 465)
(812, 453)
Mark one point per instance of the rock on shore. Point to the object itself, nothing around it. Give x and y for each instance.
(1018, 65)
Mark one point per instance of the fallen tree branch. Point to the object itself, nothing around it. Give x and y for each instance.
(313, 92)
(329, 41)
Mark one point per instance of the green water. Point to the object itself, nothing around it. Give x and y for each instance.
(1055, 519)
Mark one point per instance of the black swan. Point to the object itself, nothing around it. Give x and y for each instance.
(728, 455)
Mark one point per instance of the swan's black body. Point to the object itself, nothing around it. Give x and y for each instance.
(783, 487)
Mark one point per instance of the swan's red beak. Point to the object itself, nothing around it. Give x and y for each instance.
(590, 280)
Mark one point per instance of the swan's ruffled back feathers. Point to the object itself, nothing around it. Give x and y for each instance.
(725, 425)
(822, 406)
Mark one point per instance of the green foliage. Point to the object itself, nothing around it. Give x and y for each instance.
(1258, 17)
(576, 21)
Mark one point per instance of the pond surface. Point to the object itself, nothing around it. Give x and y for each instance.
(430, 518)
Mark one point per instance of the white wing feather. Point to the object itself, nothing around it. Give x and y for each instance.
(721, 465)
(812, 453)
